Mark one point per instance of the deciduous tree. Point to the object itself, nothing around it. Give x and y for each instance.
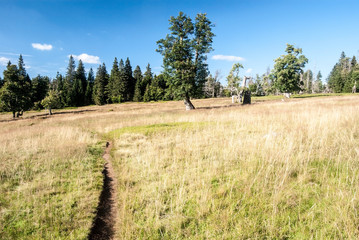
(287, 70)
(52, 100)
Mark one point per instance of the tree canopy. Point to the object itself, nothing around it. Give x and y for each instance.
(184, 55)
(287, 70)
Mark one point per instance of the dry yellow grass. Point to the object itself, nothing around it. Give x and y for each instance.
(270, 170)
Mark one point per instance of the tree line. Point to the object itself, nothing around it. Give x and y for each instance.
(185, 75)
(344, 75)
(76, 88)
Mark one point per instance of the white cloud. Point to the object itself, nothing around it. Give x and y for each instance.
(227, 58)
(85, 58)
(249, 70)
(42, 47)
(4, 61)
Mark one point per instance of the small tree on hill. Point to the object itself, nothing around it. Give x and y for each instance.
(52, 100)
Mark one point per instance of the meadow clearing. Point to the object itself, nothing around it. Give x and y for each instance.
(274, 169)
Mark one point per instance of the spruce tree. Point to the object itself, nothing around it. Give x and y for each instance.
(137, 74)
(122, 83)
(147, 79)
(58, 85)
(40, 87)
(130, 81)
(339, 79)
(25, 81)
(318, 85)
(353, 62)
(147, 94)
(101, 81)
(69, 82)
(113, 87)
(15, 93)
(89, 88)
(79, 86)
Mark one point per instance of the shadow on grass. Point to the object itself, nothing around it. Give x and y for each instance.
(46, 115)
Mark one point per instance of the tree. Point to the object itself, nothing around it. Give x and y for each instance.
(355, 79)
(113, 87)
(147, 79)
(184, 55)
(212, 85)
(204, 39)
(129, 80)
(156, 90)
(122, 84)
(15, 93)
(99, 89)
(137, 74)
(318, 84)
(308, 81)
(25, 83)
(340, 79)
(147, 94)
(89, 88)
(79, 86)
(233, 79)
(287, 70)
(52, 100)
(58, 85)
(353, 62)
(1, 82)
(69, 82)
(40, 87)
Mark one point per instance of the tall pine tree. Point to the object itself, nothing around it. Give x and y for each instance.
(101, 81)
(114, 86)
(130, 81)
(137, 74)
(89, 88)
(147, 79)
(79, 86)
(69, 82)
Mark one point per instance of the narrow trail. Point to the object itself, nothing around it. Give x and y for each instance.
(103, 227)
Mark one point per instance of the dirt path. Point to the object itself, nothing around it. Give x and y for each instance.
(103, 226)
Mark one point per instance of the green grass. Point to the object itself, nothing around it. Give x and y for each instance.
(148, 130)
(54, 200)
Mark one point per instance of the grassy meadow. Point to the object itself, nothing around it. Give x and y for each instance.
(274, 169)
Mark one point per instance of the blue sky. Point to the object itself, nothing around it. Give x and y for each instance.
(254, 31)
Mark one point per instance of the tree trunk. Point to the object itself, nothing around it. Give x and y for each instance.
(188, 104)
(50, 112)
(13, 114)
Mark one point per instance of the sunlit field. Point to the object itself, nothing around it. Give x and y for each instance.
(273, 169)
